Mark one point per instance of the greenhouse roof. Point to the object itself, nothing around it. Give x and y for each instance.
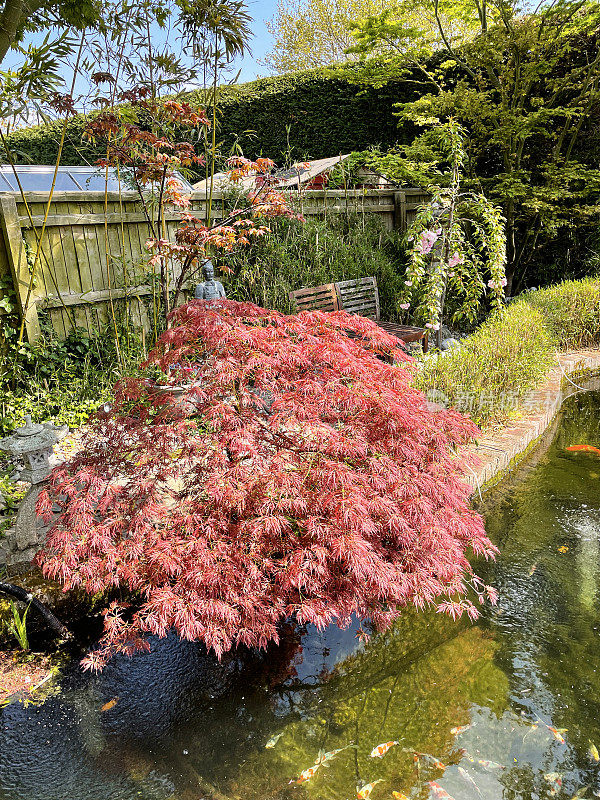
(38, 178)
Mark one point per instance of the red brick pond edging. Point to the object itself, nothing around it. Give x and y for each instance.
(497, 451)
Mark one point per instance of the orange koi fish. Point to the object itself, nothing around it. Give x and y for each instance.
(465, 776)
(482, 761)
(437, 764)
(557, 733)
(489, 764)
(583, 448)
(325, 757)
(438, 792)
(306, 775)
(459, 730)
(111, 704)
(399, 796)
(381, 749)
(364, 792)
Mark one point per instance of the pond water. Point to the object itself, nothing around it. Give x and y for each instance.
(172, 724)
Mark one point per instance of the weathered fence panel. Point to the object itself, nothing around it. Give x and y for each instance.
(92, 251)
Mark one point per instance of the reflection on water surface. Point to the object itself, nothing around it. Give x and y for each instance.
(507, 708)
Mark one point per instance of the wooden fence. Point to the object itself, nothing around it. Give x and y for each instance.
(91, 256)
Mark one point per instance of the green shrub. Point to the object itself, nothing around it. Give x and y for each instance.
(571, 311)
(495, 366)
(319, 251)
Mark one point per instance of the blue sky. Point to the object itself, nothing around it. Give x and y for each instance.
(261, 11)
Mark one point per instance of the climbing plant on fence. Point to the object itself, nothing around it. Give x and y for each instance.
(458, 241)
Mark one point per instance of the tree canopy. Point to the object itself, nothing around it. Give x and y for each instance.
(526, 89)
(314, 33)
(300, 476)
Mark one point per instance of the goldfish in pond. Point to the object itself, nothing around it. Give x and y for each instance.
(593, 751)
(111, 704)
(583, 448)
(306, 775)
(461, 729)
(438, 792)
(484, 762)
(557, 733)
(399, 796)
(325, 757)
(580, 793)
(273, 740)
(365, 791)
(381, 749)
(436, 763)
(489, 764)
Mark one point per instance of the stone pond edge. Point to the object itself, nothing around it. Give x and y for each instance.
(497, 452)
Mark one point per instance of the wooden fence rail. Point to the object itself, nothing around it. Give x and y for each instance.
(93, 248)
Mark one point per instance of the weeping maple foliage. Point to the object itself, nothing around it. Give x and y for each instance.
(298, 476)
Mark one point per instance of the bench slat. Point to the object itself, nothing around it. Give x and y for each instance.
(370, 281)
(316, 298)
(358, 296)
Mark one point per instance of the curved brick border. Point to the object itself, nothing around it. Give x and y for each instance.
(498, 451)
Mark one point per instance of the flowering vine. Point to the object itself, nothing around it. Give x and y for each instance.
(300, 477)
(456, 239)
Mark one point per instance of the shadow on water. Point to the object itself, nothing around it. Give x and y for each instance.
(177, 724)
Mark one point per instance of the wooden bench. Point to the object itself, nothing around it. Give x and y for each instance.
(360, 296)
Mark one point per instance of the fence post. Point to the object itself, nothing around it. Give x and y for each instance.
(400, 211)
(17, 261)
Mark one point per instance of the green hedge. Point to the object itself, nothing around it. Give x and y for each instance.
(325, 115)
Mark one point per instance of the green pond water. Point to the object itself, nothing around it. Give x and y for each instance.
(178, 725)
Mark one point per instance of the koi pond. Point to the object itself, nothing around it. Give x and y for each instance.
(505, 708)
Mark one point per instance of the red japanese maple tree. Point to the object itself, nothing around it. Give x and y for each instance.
(298, 477)
(142, 145)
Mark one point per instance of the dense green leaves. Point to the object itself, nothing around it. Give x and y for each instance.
(314, 114)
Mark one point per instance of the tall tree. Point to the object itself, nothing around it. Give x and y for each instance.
(316, 33)
(525, 89)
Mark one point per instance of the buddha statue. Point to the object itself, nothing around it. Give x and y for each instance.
(210, 289)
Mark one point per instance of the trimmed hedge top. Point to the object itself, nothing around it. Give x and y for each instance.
(315, 114)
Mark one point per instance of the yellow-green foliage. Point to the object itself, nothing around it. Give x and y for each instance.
(513, 351)
(495, 366)
(571, 311)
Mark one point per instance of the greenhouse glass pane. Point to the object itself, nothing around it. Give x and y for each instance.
(42, 182)
(96, 182)
(8, 183)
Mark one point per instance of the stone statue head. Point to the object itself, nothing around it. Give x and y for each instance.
(208, 271)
